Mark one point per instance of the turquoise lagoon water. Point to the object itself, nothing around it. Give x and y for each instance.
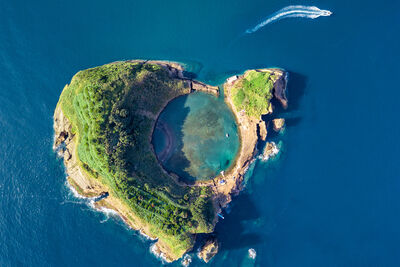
(196, 136)
(333, 197)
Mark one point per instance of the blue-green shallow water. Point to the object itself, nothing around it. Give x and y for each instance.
(196, 136)
(331, 200)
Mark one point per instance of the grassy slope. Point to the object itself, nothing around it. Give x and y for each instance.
(254, 93)
(105, 106)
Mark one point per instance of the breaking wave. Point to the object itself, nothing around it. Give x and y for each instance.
(156, 252)
(310, 12)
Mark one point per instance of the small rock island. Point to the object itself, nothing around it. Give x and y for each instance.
(103, 124)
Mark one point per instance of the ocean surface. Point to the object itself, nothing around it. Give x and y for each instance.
(331, 199)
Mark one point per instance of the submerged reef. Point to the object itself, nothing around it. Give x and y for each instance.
(104, 121)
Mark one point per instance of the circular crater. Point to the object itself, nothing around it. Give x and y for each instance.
(196, 137)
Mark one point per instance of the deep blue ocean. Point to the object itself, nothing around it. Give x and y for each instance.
(332, 198)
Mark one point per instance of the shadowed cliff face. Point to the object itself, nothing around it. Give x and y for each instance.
(200, 137)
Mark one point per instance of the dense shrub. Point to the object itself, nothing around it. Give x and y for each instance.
(107, 107)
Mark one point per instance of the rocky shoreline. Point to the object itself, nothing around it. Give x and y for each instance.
(231, 182)
(86, 186)
(224, 186)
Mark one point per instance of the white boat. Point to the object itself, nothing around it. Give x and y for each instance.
(326, 13)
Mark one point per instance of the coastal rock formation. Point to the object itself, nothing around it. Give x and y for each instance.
(208, 250)
(263, 130)
(153, 191)
(270, 151)
(186, 260)
(278, 124)
(199, 86)
(280, 90)
(270, 109)
(86, 186)
(64, 141)
(248, 135)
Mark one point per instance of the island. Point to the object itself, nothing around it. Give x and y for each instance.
(103, 125)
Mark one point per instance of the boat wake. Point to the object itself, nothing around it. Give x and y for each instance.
(310, 12)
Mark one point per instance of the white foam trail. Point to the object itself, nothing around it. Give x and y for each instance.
(271, 150)
(156, 252)
(311, 12)
(73, 191)
(146, 236)
(106, 211)
(252, 253)
(90, 202)
(186, 260)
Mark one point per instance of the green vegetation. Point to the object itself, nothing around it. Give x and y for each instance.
(254, 93)
(112, 109)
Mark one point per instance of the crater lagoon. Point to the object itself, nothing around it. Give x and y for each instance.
(196, 137)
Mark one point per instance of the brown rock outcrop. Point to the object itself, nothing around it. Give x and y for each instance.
(278, 124)
(270, 150)
(208, 250)
(263, 130)
(199, 86)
